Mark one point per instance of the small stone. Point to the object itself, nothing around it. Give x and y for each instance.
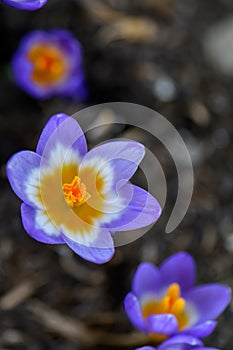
(165, 89)
(149, 252)
(229, 242)
(12, 337)
(199, 113)
(218, 45)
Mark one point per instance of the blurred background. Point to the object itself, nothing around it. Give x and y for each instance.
(174, 56)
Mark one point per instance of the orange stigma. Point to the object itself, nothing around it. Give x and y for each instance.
(75, 192)
(171, 303)
(49, 65)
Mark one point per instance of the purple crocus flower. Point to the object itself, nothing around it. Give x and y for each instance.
(164, 300)
(50, 63)
(30, 5)
(77, 197)
(179, 342)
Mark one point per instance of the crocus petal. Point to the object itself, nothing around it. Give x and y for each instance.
(147, 280)
(146, 348)
(181, 339)
(75, 87)
(69, 44)
(179, 346)
(133, 310)
(183, 346)
(201, 330)
(162, 324)
(204, 348)
(179, 268)
(209, 300)
(23, 174)
(26, 4)
(123, 156)
(64, 130)
(75, 83)
(98, 252)
(141, 209)
(36, 229)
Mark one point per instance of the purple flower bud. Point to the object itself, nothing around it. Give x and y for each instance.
(47, 64)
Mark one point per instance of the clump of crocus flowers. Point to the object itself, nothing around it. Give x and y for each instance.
(82, 198)
(49, 63)
(167, 306)
(30, 5)
(77, 197)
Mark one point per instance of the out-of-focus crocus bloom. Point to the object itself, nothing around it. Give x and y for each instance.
(77, 197)
(50, 63)
(179, 342)
(164, 300)
(30, 5)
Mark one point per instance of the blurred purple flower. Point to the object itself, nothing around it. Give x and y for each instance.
(164, 300)
(50, 63)
(26, 4)
(77, 197)
(179, 342)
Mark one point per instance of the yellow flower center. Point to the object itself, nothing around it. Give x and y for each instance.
(171, 303)
(49, 65)
(75, 192)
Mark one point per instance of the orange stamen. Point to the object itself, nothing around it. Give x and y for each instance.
(49, 65)
(171, 303)
(173, 291)
(75, 192)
